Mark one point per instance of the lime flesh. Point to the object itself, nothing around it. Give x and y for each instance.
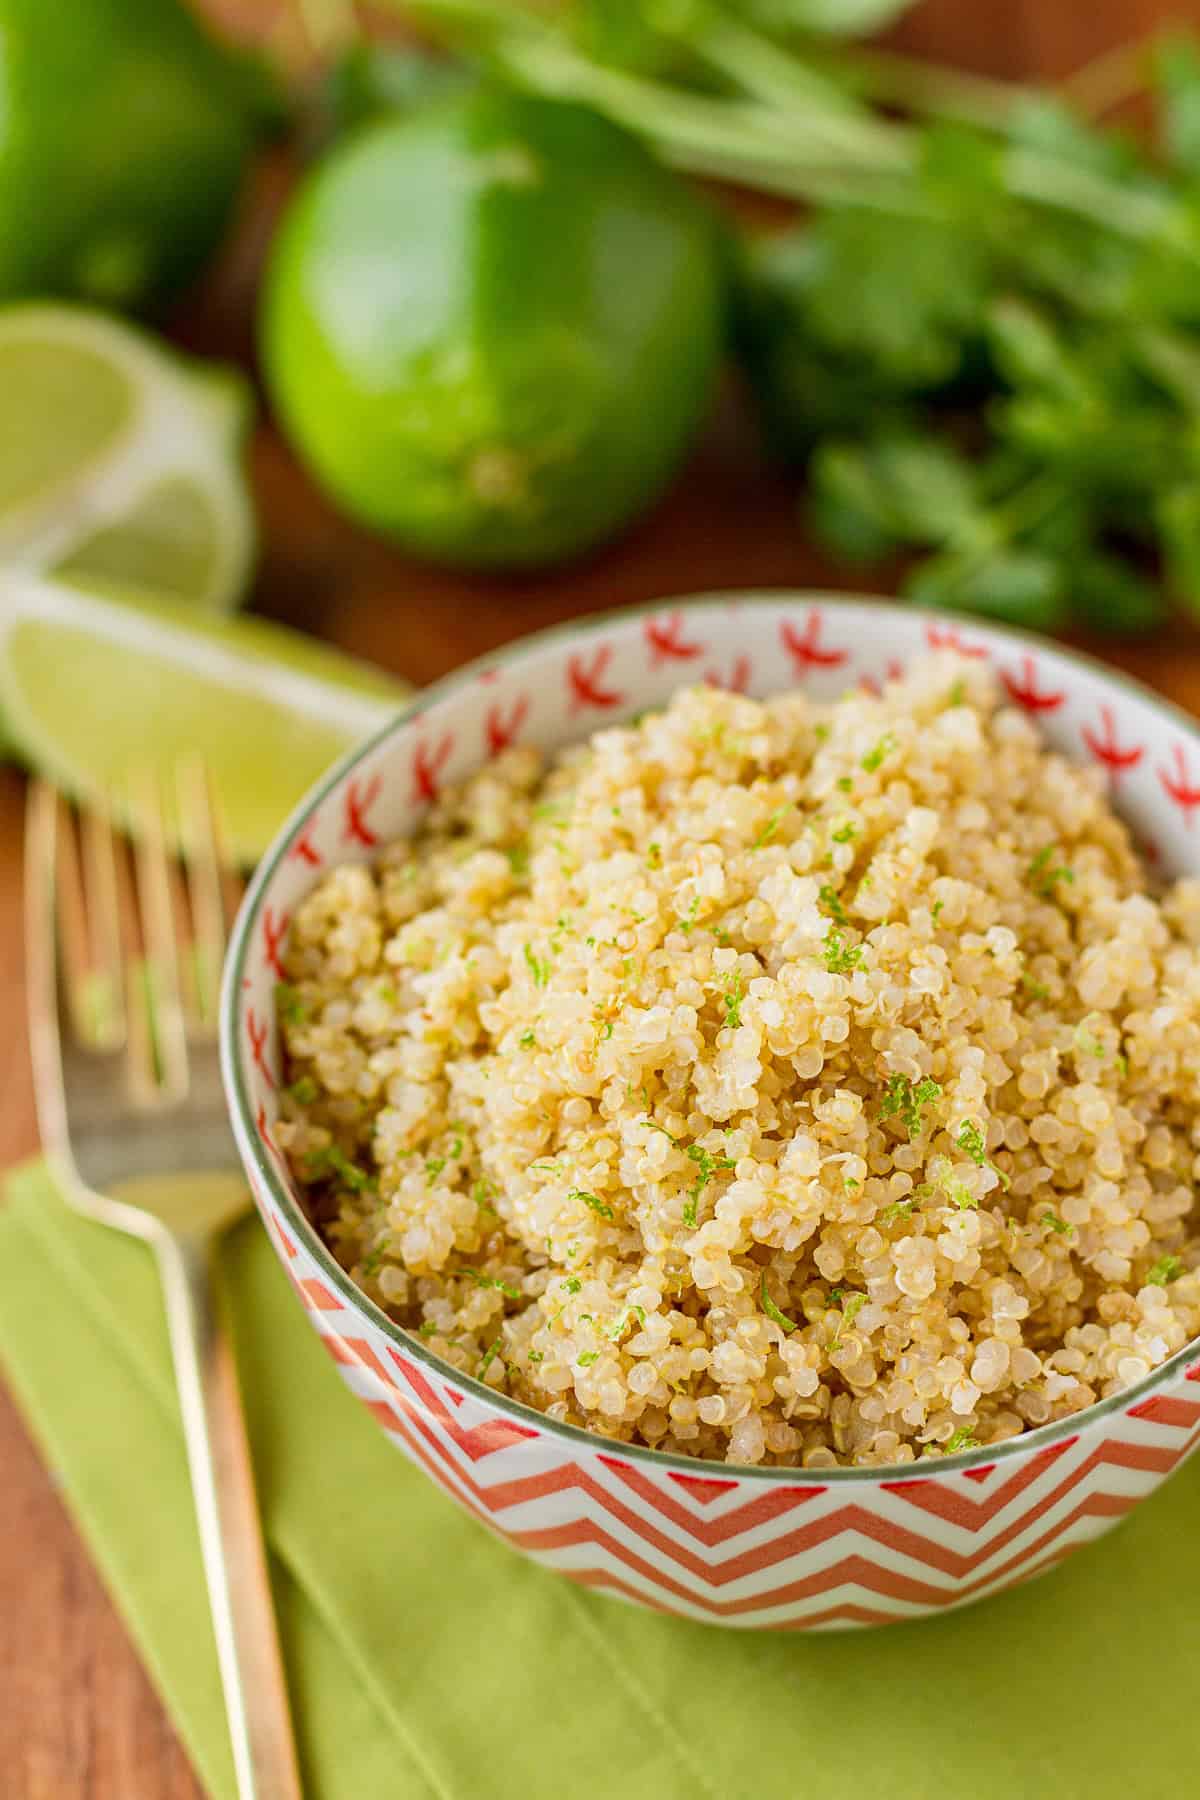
(99, 693)
(118, 463)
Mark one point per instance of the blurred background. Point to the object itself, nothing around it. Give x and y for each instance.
(412, 328)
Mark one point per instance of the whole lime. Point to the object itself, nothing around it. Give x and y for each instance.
(492, 327)
(124, 130)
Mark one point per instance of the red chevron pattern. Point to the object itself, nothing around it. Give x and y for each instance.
(780, 1550)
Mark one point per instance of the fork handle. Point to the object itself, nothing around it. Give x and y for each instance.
(235, 1567)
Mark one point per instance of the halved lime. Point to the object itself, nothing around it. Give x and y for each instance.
(120, 462)
(98, 692)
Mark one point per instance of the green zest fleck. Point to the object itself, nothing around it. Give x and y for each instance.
(721, 935)
(841, 958)
(907, 1102)
(937, 910)
(970, 1141)
(1056, 1224)
(832, 904)
(332, 1161)
(898, 1209)
(492, 1281)
(957, 694)
(572, 1284)
(769, 829)
(845, 784)
(489, 1356)
(963, 1439)
(588, 1357)
(1090, 1045)
(433, 1168)
(688, 921)
(289, 1005)
(304, 1091)
(1037, 989)
(518, 859)
(1042, 878)
(617, 1328)
(820, 732)
(689, 1211)
(654, 856)
(536, 1356)
(527, 1040)
(593, 1201)
(772, 1311)
(372, 1262)
(845, 834)
(1167, 1268)
(539, 969)
(735, 993)
(481, 1194)
(876, 755)
(960, 1193)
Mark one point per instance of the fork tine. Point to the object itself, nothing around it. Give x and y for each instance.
(198, 848)
(90, 972)
(104, 926)
(157, 970)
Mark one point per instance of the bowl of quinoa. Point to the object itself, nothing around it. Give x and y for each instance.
(797, 1082)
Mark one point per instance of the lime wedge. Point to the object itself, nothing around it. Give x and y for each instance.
(97, 692)
(119, 462)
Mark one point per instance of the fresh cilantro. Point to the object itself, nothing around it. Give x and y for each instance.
(957, 693)
(735, 993)
(688, 921)
(654, 856)
(840, 958)
(901, 1099)
(845, 784)
(971, 1142)
(329, 1160)
(1167, 1268)
(691, 1211)
(829, 900)
(898, 1209)
(1043, 878)
(528, 1040)
(538, 968)
(303, 1092)
(572, 1284)
(1052, 1219)
(518, 860)
(482, 1194)
(587, 1358)
(372, 1263)
(290, 1007)
(433, 1168)
(937, 910)
(489, 1357)
(961, 1195)
(878, 753)
(1037, 989)
(769, 829)
(593, 1202)
(619, 1324)
(963, 1439)
(772, 1311)
(845, 834)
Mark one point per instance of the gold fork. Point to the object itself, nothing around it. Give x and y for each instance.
(124, 947)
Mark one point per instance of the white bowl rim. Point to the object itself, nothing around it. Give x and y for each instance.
(577, 1437)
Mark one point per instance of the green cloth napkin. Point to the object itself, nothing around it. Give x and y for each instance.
(426, 1659)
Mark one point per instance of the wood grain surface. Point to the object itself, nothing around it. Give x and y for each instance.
(78, 1718)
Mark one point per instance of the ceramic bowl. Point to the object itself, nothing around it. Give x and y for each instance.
(774, 1549)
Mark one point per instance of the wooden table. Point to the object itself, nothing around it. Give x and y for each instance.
(78, 1717)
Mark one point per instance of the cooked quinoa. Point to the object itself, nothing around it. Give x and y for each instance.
(773, 1082)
